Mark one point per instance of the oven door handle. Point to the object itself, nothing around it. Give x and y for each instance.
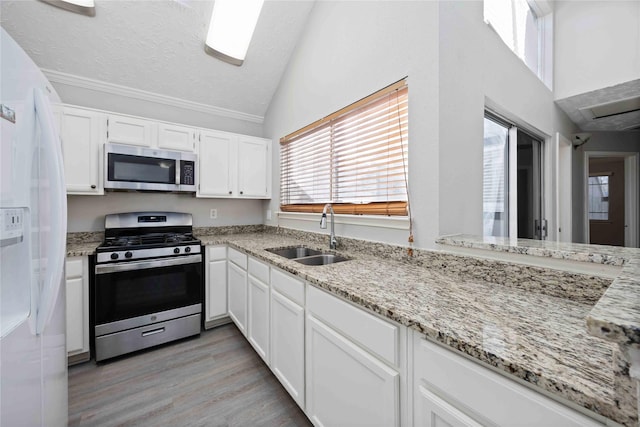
(147, 264)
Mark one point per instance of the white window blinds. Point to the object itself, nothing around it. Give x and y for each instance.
(355, 159)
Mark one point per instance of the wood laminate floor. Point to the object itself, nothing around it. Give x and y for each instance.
(214, 380)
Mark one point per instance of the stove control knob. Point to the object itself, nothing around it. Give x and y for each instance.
(176, 251)
(114, 256)
(128, 254)
(187, 249)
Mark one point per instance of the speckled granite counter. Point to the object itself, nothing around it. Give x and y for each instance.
(84, 243)
(616, 316)
(521, 326)
(528, 322)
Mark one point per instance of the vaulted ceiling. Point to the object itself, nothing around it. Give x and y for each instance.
(158, 46)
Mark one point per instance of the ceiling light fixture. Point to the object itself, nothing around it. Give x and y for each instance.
(231, 28)
(84, 7)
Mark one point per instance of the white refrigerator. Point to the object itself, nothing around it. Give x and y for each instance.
(33, 225)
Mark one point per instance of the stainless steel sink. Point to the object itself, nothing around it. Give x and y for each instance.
(294, 252)
(322, 259)
(307, 256)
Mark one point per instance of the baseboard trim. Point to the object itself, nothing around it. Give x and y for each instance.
(217, 322)
(78, 358)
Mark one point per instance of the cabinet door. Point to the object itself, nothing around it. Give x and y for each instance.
(216, 291)
(258, 321)
(130, 131)
(216, 168)
(432, 411)
(287, 345)
(253, 166)
(238, 296)
(347, 385)
(82, 141)
(173, 137)
(77, 298)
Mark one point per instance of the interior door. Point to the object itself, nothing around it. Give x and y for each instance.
(606, 200)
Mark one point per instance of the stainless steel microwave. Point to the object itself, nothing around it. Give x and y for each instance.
(138, 168)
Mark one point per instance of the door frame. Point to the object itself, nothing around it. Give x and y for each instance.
(631, 207)
(559, 189)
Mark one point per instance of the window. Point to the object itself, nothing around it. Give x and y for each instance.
(521, 25)
(495, 205)
(355, 159)
(599, 198)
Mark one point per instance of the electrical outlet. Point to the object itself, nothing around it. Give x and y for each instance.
(268, 214)
(213, 214)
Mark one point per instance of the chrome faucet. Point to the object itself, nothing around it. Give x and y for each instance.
(333, 243)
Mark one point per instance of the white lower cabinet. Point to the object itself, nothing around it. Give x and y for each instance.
(287, 333)
(353, 364)
(258, 308)
(77, 299)
(450, 390)
(237, 295)
(216, 285)
(346, 385)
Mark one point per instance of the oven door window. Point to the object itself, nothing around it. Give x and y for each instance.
(127, 294)
(128, 168)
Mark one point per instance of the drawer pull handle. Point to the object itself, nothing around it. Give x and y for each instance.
(153, 332)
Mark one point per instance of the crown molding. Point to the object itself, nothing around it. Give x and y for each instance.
(100, 86)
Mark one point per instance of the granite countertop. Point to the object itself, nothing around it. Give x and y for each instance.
(616, 316)
(527, 322)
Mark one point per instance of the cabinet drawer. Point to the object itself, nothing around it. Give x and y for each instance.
(238, 258)
(484, 396)
(259, 270)
(217, 253)
(376, 335)
(73, 268)
(288, 285)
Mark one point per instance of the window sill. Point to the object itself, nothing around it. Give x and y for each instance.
(379, 221)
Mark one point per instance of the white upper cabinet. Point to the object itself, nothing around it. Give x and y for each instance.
(215, 151)
(229, 165)
(82, 144)
(149, 133)
(254, 167)
(233, 165)
(130, 130)
(174, 137)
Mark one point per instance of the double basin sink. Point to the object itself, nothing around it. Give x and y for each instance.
(307, 256)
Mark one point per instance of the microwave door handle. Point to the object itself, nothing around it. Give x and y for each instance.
(178, 167)
(144, 265)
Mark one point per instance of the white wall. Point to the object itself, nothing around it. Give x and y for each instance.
(600, 141)
(585, 58)
(476, 70)
(456, 65)
(348, 51)
(86, 213)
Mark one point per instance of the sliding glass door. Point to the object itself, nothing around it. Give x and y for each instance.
(512, 186)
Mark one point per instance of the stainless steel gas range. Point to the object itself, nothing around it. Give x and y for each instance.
(148, 282)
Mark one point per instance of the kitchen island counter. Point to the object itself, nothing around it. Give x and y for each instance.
(527, 322)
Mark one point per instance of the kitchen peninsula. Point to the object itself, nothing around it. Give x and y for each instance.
(525, 322)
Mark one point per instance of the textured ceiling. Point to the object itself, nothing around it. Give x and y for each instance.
(573, 104)
(158, 46)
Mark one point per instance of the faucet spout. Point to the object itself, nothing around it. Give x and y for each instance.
(333, 242)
